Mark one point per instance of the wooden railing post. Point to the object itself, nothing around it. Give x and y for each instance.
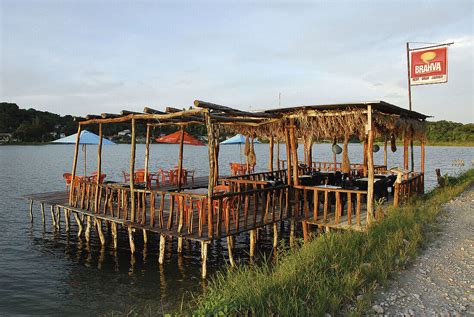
(132, 173)
(99, 169)
(74, 164)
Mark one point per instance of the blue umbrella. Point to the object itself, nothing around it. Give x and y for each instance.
(237, 139)
(86, 138)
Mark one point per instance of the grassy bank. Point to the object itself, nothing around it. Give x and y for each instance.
(327, 274)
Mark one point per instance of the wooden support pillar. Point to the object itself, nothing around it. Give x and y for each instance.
(305, 231)
(294, 152)
(161, 255)
(364, 163)
(278, 154)
(309, 151)
(147, 152)
(99, 169)
(74, 164)
(292, 232)
(180, 159)
(275, 235)
(31, 210)
(405, 150)
(370, 166)
(288, 155)
(114, 234)
(58, 217)
(88, 229)
(252, 239)
(53, 217)
(66, 219)
(230, 245)
(204, 258)
(79, 224)
(270, 160)
(210, 187)
(385, 152)
(98, 223)
(180, 245)
(130, 239)
(422, 159)
(42, 213)
(132, 175)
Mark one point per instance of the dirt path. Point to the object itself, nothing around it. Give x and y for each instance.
(441, 281)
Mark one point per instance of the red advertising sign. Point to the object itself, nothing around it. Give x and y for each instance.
(429, 65)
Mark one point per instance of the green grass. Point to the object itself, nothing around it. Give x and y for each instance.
(327, 274)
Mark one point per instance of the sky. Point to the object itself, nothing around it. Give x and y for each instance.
(91, 57)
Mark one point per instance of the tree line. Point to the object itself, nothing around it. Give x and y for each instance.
(30, 125)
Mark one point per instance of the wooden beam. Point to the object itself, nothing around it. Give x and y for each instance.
(370, 167)
(99, 168)
(74, 163)
(152, 111)
(93, 116)
(210, 187)
(147, 152)
(230, 111)
(132, 173)
(294, 152)
(180, 158)
(270, 159)
(110, 115)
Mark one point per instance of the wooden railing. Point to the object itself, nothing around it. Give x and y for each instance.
(278, 174)
(356, 168)
(346, 201)
(185, 213)
(413, 185)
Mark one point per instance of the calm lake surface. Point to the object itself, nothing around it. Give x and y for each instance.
(43, 271)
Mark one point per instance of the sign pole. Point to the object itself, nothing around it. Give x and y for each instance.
(409, 103)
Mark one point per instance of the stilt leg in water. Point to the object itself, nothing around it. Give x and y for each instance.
(180, 244)
(114, 234)
(58, 220)
(161, 256)
(79, 224)
(66, 218)
(204, 258)
(53, 217)
(145, 237)
(42, 213)
(88, 229)
(130, 239)
(31, 210)
(98, 223)
(230, 245)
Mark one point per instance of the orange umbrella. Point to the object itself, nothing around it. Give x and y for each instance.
(174, 138)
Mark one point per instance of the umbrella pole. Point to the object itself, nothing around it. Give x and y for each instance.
(240, 152)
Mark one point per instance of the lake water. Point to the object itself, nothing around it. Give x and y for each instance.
(43, 271)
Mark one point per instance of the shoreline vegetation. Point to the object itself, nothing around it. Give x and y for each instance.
(334, 273)
(33, 127)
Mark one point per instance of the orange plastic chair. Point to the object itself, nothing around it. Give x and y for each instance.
(126, 177)
(67, 177)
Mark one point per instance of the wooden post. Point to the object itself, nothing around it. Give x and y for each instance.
(270, 160)
(66, 219)
(74, 164)
(42, 213)
(180, 245)
(180, 160)
(130, 239)
(405, 150)
(114, 234)
(370, 166)
(422, 160)
(145, 237)
(79, 224)
(275, 235)
(53, 217)
(309, 150)
(88, 229)
(58, 217)
(278, 154)
(204, 258)
(132, 177)
(252, 239)
(292, 232)
(98, 223)
(365, 158)
(294, 151)
(99, 169)
(31, 210)
(147, 152)
(385, 152)
(210, 187)
(305, 230)
(229, 251)
(288, 155)
(161, 256)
